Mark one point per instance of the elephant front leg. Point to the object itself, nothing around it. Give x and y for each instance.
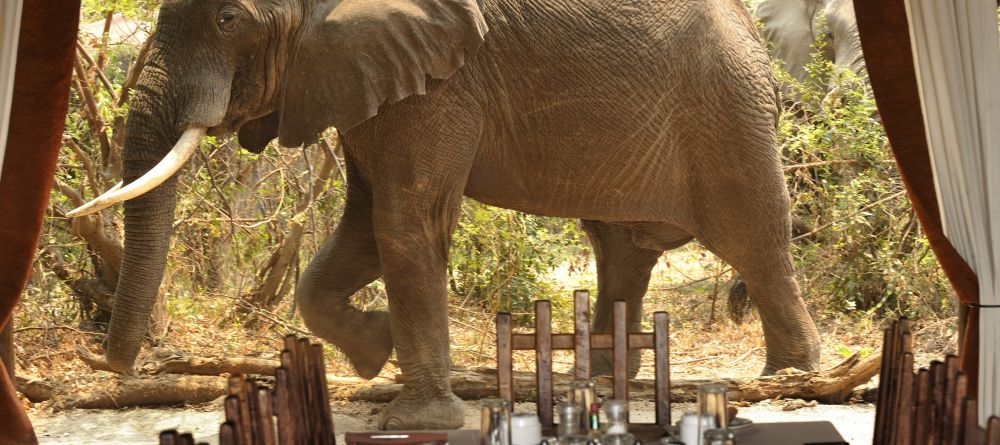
(347, 262)
(414, 261)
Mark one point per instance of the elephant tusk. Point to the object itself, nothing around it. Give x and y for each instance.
(169, 165)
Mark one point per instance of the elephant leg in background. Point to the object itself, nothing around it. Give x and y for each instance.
(347, 262)
(623, 271)
(750, 229)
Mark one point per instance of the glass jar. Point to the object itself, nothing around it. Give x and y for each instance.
(494, 427)
(713, 403)
(616, 415)
(583, 395)
(618, 439)
(720, 436)
(569, 430)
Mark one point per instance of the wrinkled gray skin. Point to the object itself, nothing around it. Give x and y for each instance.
(791, 26)
(651, 120)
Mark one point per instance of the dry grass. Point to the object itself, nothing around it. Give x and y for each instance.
(704, 342)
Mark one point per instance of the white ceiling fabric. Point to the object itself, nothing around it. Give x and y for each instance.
(957, 58)
(10, 24)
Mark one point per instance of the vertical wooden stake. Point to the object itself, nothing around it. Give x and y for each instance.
(283, 406)
(265, 422)
(227, 434)
(581, 312)
(327, 427)
(543, 361)
(661, 354)
(882, 403)
(904, 411)
(168, 437)
(505, 358)
(922, 411)
(620, 349)
(993, 431)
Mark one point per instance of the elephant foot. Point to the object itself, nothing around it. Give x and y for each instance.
(411, 411)
(602, 363)
(779, 366)
(371, 349)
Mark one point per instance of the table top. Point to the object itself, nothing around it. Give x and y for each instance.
(789, 433)
(779, 433)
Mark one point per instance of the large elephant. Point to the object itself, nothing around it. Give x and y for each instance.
(791, 26)
(652, 120)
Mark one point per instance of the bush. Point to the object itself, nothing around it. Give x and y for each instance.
(501, 259)
(864, 251)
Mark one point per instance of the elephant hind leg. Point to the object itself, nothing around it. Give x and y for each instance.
(347, 262)
(623, 271)
(751, 231)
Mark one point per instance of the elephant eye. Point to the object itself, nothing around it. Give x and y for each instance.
(226, 18)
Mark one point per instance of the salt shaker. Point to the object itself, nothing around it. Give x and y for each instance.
(525, 429)
(691, 430)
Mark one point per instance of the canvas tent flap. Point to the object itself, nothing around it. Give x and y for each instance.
(957, 57)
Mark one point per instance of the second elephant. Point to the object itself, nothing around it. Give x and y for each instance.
(791, 27)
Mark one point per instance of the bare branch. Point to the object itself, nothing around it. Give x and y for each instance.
(98, 70)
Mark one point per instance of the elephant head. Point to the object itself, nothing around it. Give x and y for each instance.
(791, 26)
(262, 68)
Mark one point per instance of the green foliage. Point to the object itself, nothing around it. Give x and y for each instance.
(866, 253)
(93, 10)
(502, 260)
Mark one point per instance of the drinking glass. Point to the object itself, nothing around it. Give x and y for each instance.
(713, 405)
(494, 427)
(582, 394)
(569, 431)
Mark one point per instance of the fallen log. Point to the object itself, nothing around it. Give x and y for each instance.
(188, 364)
(829, 386)
(123, 391)
(34, 388)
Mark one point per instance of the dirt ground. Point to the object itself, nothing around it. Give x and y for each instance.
(139, 426)
(704, 345)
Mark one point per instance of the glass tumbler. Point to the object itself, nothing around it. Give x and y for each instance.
(712, 404)
(582, 394)
(568, 431)
(616, 412)
(494, 427)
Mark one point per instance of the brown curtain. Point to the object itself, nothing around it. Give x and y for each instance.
(41, 94)
(885, 40)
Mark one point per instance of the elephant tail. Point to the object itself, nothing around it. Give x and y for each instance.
(739, 301)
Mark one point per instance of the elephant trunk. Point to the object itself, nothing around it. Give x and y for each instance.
(148, 226)
(163, 109)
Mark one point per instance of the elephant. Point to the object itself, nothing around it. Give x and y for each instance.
(652, 120)
(791, 26)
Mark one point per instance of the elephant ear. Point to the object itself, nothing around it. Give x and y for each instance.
(356, 55)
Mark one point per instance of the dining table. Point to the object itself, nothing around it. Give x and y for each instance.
(768, 433)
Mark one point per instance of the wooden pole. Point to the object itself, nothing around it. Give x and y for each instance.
(620, 350)
(661, 340)
(581, 316)
(505, 357)
(543, 361)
